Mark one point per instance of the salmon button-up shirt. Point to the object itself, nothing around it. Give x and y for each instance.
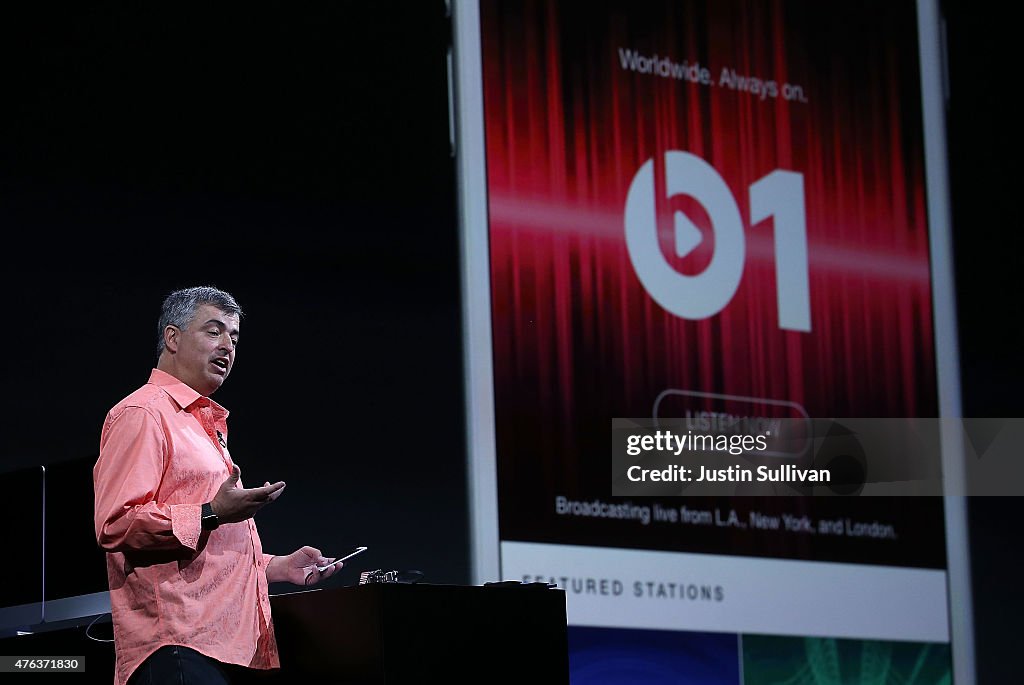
(163, 453)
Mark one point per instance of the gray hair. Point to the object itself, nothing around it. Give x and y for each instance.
(180, 308)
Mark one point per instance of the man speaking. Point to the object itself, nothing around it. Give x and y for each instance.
(188, 576)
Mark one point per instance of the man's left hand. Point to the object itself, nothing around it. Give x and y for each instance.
(300, 567)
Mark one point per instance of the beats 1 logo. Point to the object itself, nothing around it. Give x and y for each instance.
(779, 194)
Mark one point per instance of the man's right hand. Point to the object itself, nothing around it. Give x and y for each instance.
(232, 504)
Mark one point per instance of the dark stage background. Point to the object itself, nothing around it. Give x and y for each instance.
(298, 156)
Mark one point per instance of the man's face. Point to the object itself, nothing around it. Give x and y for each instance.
(206, 349)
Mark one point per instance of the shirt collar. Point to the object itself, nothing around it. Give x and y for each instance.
(181, 393)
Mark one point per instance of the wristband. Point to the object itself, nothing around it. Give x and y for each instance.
(209, 520)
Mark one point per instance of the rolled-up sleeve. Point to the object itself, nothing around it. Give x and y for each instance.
(126, 480)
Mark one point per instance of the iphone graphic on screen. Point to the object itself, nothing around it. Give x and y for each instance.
(708, 212)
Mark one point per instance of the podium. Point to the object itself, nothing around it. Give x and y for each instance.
(397, 634)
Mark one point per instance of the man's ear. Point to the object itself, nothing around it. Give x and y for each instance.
(171, 336)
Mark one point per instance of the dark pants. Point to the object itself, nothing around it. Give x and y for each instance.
(173, 665)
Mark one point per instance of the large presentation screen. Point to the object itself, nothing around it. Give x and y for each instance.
(717, 214)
